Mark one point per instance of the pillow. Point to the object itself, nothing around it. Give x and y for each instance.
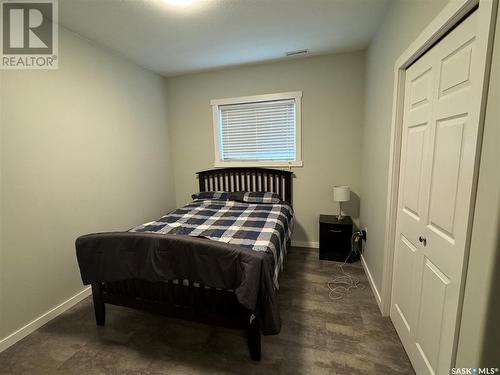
(255, 197)
(215, 195)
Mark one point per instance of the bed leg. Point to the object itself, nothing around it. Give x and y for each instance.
(99, 309)
(254, 340)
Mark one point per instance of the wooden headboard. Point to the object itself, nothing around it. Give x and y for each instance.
(247, 179)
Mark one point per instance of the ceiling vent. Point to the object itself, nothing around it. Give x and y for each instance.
(298, 52)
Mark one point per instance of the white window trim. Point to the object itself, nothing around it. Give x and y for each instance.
(296, 95)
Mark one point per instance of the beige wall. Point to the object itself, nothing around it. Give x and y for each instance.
(332, 107)
(83, 148)
(402, 24)
(479, 333)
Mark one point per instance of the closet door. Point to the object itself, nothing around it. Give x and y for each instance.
(436, 177)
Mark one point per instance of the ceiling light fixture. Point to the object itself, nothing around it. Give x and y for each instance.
(179, 3)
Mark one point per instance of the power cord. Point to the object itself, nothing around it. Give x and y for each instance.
(342, 285)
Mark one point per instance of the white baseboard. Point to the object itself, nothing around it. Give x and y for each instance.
(311, 244)
(372, 283)
(41, 320)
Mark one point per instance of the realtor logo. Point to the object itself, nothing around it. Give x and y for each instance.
(29, 35)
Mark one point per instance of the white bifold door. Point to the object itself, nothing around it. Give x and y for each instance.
(436, 185)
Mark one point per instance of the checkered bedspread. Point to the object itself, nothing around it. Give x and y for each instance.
(258, 227)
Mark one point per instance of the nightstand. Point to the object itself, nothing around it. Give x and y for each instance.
(335, 238)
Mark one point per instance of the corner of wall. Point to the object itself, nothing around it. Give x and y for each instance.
(403, 23)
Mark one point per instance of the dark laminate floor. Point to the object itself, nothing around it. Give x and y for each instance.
(319, 336)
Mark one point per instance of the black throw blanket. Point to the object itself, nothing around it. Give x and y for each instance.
(154, 257)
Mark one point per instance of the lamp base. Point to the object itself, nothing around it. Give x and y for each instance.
(339, 216)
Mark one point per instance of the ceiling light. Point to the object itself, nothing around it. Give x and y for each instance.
(179, 3)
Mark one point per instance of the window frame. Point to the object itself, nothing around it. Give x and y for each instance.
(216, 103)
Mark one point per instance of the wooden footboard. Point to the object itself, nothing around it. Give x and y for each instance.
(183, 300)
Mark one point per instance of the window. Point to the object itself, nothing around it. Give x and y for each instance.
(261, 130)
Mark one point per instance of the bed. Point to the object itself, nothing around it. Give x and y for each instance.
(214, 260)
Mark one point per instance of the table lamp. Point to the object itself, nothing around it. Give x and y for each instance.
(341, 194)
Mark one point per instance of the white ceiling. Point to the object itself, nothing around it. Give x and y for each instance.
(216, 33)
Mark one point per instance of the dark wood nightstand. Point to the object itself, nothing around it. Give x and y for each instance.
(335, 238)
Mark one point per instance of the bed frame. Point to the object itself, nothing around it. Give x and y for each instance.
(201, 303)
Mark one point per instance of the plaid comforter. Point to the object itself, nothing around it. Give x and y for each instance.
(258, 227)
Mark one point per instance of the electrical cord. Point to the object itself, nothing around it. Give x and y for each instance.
(342, 285)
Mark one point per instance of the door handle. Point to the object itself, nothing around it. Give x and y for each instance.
(335, 231)
(423, 240)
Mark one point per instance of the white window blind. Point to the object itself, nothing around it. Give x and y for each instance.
(258, 131)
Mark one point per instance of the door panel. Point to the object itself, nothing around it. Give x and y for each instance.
(413, 188)
(455, 69)
(445, 171)
(430, 323)
(413, 170)
(404, 281)
(439, 140)
(421, 89)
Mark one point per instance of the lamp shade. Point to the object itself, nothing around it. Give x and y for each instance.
(341, 193)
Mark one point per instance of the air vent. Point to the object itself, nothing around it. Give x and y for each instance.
(298, 52)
